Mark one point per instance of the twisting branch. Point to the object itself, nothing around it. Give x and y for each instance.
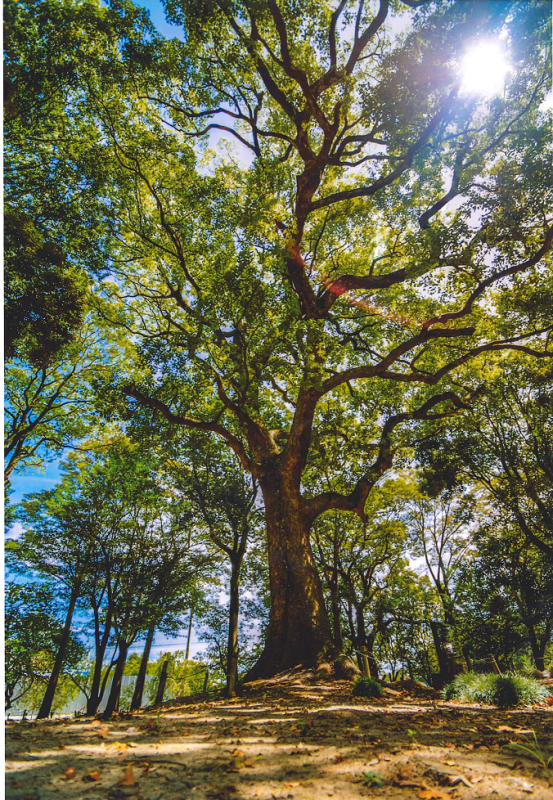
(356, 499)
(467, 308)
(195, 424)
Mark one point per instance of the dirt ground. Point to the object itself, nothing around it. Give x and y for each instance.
(293, 737)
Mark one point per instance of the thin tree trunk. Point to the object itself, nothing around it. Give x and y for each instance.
(299, 630)
(232, 652)
(538, 652)
(95, 690)
(136, 701)
(115, 691)
(336, 627)
(162, 681)
(373, 664)
(466, 655)
(46, 705)
(189, 633)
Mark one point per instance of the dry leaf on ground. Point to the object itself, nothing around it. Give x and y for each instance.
(69, 773)
(128, 777)
(120, 747)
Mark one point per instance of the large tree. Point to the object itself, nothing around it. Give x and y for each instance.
(321, 291)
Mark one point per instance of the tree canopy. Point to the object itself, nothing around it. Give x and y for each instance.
(302, 237)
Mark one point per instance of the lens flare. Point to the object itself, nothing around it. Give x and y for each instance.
(484, 69)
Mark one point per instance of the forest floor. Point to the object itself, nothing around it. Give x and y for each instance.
(293, 737)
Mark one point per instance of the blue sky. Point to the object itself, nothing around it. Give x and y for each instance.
(155, 7)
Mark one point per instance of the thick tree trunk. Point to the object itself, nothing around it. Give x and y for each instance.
(115, 691)
(136, 701)
(95, 690)
(232, 652)
(299, 630)
(46, 705)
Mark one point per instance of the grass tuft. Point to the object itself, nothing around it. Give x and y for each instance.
(504, 691)
(367, 687)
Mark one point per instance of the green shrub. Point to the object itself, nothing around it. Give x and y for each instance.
(367, 687)
(500, 690)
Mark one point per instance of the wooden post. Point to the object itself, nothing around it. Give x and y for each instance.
(495, 665)
(366, 667)
(162, 682)
(206, 679)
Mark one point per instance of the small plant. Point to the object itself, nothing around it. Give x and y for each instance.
(504, 691)
(367, 687)
(536, 753)
(372, 778)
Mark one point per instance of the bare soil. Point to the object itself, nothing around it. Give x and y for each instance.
(291, 737)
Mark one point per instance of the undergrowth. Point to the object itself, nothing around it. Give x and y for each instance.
(504, 691)
(367, 687)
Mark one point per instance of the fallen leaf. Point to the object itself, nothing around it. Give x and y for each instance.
(407, 784)
(455, 780)
(128, 777)
(90, 777)
(61, 746)
(69, 773)
(433, 794)
(121, 747)
(236, 764)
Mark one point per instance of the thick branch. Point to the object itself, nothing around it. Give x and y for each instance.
(356, 499)
(190, 422)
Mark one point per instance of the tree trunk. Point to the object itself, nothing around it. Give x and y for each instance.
(95, 692)
(538, 653)
(373, 664)
(136, 701)
(162, 681)
(438, 635)
(232, 652)
(299, 630)
(189, 633)
(336, 627)
(46, 705)
(115, 691)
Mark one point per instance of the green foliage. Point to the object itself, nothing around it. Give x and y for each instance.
(367, 687)
(32, 631)
(501, 690)
(372, 779)
(532, 748)
(184, 677)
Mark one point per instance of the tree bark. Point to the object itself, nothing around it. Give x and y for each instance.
(46, 705)
(115, 691)
(299, 630)
(232, 652)
(136, 701)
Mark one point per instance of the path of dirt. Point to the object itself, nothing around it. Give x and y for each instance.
(298, 738)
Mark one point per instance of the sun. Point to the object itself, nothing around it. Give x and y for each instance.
(484, 69)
